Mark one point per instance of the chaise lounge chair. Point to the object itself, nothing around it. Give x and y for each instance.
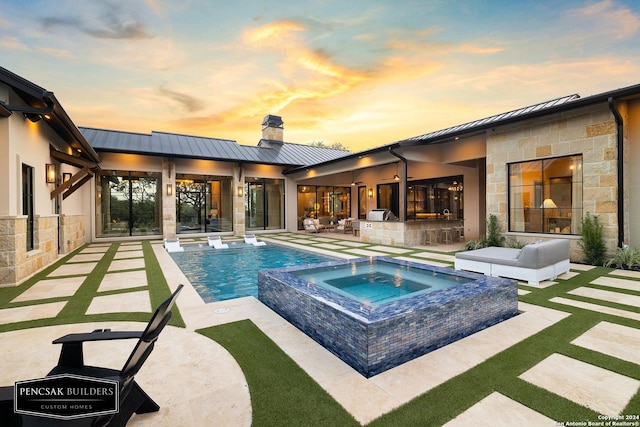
(71, 361)
(251, 239)
(173, 245)
(216, 242)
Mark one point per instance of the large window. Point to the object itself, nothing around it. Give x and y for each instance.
(389, 197)
(27, 202)
(436, 198)
(204, 204)
(264, 204)
(127, 203)
(545, 196)
(325, 203)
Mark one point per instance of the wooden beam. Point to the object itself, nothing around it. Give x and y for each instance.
(72, 160)
(75, 187)
(80, 178)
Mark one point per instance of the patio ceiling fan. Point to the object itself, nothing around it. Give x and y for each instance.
(395, 177)
(353, 182)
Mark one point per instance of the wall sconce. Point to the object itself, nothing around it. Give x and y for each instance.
(50, 173)
(240, 192)
(169, 189)
(33, 117)
(66, 176)
(370, 192)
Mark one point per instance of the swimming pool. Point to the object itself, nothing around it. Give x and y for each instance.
(373, 337)
(223, 274)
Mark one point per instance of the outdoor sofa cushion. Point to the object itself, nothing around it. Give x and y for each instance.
(533, 263)
(534, 255)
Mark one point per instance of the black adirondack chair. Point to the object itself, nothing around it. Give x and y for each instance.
(132, 398)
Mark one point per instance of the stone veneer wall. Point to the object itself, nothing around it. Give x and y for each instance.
(16, 263)
(72, 233)
(590, 131)
(396, 233)
(383, 232)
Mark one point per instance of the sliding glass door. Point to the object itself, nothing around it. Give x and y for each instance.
(264, 204)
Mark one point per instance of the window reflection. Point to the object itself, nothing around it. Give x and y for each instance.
(436, 198)
(203, 204)
(326, 203)
(127, 203)
(545, 196)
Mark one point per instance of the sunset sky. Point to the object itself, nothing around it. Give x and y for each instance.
(361, 73)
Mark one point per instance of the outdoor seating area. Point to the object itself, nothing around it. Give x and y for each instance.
(533, 263)
(443, 235)
(344, 226)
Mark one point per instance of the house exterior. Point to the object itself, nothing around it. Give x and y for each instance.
(539, 169)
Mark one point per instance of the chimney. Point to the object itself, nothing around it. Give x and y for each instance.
(273, 128)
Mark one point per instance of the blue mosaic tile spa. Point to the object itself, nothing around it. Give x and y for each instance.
(381, 329)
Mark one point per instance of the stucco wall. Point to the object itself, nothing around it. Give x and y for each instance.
(632, 174)
(588, 131)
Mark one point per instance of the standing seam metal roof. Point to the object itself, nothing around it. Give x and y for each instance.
(175, 145)
(498, 117)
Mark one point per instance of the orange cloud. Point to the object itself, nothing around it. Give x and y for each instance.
(608, 17)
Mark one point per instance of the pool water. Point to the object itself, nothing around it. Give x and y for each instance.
(223, 274)
(376, 283)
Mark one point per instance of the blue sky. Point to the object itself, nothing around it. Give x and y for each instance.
(361, 73)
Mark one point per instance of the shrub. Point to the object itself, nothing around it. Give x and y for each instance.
(625, 258)
(592, 243)
(513, 243)
(494, 236)
(476, 244)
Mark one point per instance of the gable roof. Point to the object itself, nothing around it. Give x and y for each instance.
(43, 104)
(197, 147)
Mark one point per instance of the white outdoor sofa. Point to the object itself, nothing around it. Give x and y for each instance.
(533, 263)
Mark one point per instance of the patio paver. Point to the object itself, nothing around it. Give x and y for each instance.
(31, 312)
(126, 264)
(615, 340)
(497, 410)
(596, 308)
(588, 385)
(51, 288)
(118, 303)
(73, 269)
(610, 296)
(123, 280)
(615, 282)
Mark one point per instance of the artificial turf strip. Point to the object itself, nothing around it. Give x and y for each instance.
(498, 373)
(282, 393)
(77, 304)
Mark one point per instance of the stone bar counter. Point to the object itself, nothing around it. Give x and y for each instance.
(413, 232)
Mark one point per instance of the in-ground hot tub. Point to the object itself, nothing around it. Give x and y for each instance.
(377, 313)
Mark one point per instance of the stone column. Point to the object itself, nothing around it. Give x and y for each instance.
(239, 198)
(168, 200)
